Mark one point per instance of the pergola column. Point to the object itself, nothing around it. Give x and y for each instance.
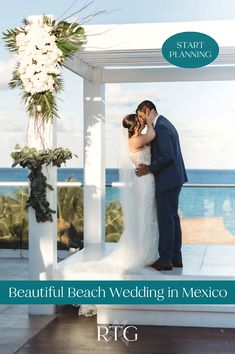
(94, 163)
(43, 236)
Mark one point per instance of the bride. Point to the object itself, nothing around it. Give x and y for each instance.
(141, 220)
(138, 245)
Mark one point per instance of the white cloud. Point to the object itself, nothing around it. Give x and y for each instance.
(202, 112)
(11, 123)
(122, 100)
(6, 68)
(8, 142)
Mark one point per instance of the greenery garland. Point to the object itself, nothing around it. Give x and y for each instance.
(40, 47)
(34, 160)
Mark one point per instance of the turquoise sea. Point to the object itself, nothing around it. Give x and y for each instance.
(194, 202)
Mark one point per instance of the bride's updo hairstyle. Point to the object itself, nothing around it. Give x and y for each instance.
(131, 122)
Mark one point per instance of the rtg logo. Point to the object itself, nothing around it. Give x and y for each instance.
(117, 332)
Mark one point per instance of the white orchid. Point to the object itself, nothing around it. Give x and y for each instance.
(21, 39)
(38, 72)
(28, 87)
(38, 55)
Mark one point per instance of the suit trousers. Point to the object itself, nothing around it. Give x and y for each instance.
(170, 235)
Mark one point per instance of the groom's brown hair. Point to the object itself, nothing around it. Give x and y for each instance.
(146, 104)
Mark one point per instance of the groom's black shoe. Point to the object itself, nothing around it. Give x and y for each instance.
(158, 265)
(177, 264)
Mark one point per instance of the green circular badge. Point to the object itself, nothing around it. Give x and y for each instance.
(190, 49)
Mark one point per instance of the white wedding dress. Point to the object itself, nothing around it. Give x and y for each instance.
(138, 245)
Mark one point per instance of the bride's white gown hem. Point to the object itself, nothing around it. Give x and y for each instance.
(138, 245)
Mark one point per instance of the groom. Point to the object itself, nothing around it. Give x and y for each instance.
(167, 165)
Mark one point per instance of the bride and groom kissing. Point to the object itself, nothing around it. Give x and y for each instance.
(151, 238)
(159, 176)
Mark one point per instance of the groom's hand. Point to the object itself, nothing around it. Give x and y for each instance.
(142, 170)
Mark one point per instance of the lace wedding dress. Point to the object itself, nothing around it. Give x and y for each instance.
(138, 245)
(146, 213)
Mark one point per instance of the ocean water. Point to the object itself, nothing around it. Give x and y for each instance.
(194, 202)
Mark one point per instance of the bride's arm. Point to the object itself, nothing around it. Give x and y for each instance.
(138, 141)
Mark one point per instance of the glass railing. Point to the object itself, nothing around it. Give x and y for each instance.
(207, 214)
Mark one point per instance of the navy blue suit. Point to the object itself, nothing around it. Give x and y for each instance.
(167, 165)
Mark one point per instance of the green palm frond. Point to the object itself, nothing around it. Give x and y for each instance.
(46, 100)
(10, 38)
(15, 81)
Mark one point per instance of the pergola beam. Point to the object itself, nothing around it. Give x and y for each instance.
(138, 57)
(168, 74)
(146, 66)
(79, 67)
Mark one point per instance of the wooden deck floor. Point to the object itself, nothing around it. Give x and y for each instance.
(70, 334)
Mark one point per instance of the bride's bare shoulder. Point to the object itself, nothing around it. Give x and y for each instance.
(135, 144)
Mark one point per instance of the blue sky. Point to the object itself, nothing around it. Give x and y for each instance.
(195, 108)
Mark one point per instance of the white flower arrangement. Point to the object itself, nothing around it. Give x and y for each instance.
(38, 57)
(40, 47)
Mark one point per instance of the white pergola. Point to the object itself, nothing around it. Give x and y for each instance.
(125, 53)
(132, 53)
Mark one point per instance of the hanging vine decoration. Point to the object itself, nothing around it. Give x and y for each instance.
(33, 159)
(40, 47)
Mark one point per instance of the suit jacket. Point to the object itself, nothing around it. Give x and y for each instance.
(167, 163)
